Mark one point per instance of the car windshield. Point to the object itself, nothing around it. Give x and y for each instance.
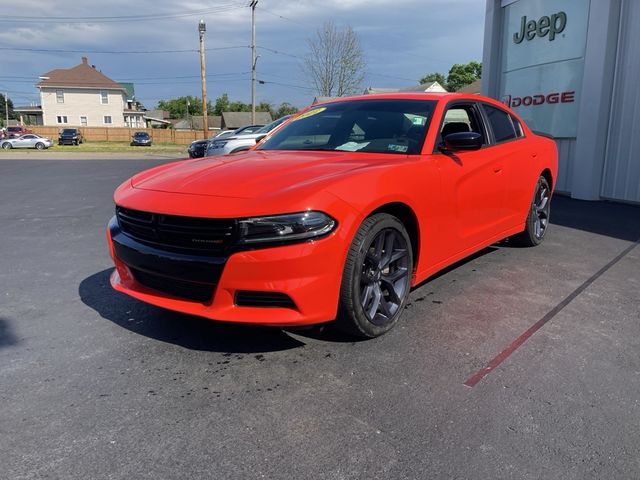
(270, 126)
(141, 134)
(376, 125)
(69, 131)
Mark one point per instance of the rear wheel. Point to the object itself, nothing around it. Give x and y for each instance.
(538, 219)
(6, 146)
(377, 277)
(39, 145)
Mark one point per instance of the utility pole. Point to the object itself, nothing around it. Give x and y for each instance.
(6, 109)
(254, 59)
(203, 78)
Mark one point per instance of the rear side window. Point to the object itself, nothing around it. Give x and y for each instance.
(501, 124)
(518, 126)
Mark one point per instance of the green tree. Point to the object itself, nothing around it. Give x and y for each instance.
(434, 77)
(462, 74)
(3, 111)
(177, 107)
(284, 109)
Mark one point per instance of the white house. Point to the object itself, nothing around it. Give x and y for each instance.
(82, 96)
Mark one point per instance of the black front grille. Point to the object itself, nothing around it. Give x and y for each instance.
(204, 235)
(248, 298)
(200, 292)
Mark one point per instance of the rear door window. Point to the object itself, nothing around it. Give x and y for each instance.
(501, 124)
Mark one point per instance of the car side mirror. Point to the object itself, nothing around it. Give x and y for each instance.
(462, 141)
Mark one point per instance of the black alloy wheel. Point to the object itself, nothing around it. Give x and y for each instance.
(537, 222)
(7, 146)
(377, 277)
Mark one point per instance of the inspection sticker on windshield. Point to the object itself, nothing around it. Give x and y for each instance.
(397, 148)
(310, 113)
(419, 121)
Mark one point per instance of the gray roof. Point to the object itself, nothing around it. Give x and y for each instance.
(471, 88)
(240, 119)
(195, 123)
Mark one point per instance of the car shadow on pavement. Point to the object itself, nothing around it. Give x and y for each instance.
(617, 220)
(187, 331)
(7, 338)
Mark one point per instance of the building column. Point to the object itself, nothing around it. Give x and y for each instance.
(595, 99)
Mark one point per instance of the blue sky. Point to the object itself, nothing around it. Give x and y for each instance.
(402, 40)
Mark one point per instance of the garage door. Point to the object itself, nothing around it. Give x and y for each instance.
(622, 164)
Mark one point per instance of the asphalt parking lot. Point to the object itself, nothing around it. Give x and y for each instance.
(96, 385)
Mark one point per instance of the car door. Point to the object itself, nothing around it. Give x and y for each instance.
(29, 141)
(473, 182)
(21, 142)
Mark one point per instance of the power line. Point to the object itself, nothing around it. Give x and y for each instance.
(262, 82)
(123, 18)
(111, 52)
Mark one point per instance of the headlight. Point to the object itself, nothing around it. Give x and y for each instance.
(285, 228)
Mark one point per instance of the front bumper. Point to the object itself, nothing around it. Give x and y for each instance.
(308, 273)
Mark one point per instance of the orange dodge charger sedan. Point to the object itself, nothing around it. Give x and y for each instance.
(335, 215)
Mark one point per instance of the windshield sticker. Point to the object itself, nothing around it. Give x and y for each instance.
(310, 113)
(398, 148)
(419, 121)
(352, 146)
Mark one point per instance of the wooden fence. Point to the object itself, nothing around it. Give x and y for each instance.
(118, 134)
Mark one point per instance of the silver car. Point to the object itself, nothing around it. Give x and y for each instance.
(30, 140)
(241, 142)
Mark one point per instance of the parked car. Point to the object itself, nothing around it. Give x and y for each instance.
(225, 133)
(31, 140)
(197, 148)
(15, 132)
(247, 129)
(141, 139)
(240, 142)
(337, 214)
(70, 136)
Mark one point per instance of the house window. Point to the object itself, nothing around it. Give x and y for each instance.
(83, 120)
(60, 96)
(107, 120)
(62, 119)
(104, 97)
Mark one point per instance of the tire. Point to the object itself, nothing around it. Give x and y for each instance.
(7, 146)
(537, 222)
(75, 142)
(376, 281)
(39, 145)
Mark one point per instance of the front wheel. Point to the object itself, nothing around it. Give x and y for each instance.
(538, 218)
(6, 146)
(377, 277)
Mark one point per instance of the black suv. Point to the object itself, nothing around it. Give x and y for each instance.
(70, 136)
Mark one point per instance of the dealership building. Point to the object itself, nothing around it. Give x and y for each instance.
(571, 69)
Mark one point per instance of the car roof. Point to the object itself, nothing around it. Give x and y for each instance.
(438, 96)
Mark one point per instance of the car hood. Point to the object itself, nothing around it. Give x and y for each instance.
(257, 173)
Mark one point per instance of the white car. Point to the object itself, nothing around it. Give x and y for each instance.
(241, 142)
(30, 140)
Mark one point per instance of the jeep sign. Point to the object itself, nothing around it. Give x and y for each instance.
(544, 26)
(542, 61)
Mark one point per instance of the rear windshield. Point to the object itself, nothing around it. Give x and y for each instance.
(377, 125)
(14, 129)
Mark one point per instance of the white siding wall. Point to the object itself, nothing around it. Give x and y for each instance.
(622, 161)
(80, 102)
